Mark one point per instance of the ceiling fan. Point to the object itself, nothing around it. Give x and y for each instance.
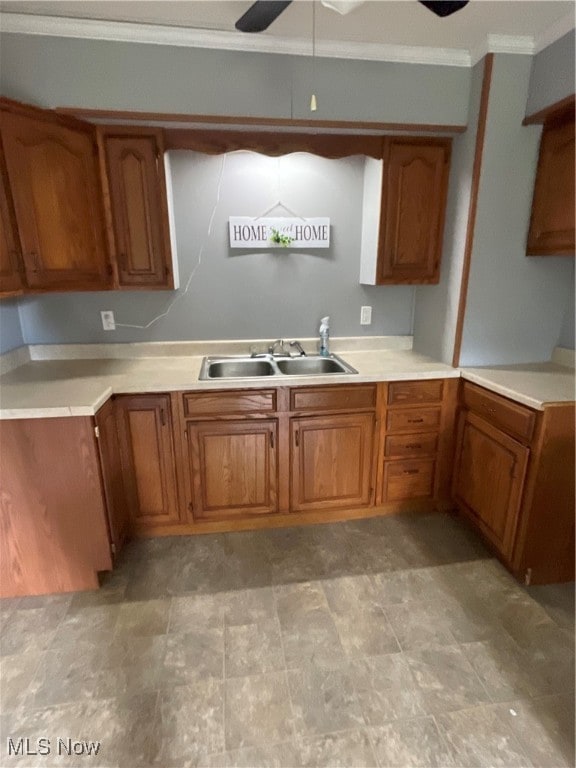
(263, 12)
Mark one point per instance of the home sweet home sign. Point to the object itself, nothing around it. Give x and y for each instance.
(279, 232)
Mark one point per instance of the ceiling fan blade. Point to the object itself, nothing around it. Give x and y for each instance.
(261, 14)
(444, 8)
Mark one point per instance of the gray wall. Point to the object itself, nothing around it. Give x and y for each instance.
(10, 330)
(552, 76)
(236, 293)
(515, 304)
(130, 76)
(436, 306)
(566, 338)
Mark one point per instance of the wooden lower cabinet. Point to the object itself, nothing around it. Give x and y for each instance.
(331, 461)
(53, 528)
(148, 460)
(489, 473)
(233, 466)
(111, 464)
(514, 481)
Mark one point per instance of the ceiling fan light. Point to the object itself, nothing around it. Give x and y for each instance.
(342, 6)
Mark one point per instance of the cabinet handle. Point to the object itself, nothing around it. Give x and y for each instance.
(413, 446)
(415, 421)
(271, 439)
(163, 417)
(297, 438)
(411, 471)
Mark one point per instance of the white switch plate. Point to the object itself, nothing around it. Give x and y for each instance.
(365, 315)
(108, 322)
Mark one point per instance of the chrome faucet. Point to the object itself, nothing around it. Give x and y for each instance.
(283, 351)
(298, 346)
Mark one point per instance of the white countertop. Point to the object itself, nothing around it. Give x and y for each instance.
(532, 384)
(79, 387)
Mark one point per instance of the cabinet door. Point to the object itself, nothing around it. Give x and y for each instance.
(111, 463)
(414, 190)
(552, 222)
(234, 467)
(489, 474)
(331, 461)
(55, 186)
(139, 210)
(10, 258)
(148, 462)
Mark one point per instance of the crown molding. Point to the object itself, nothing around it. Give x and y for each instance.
(59, 26)
(517, 44)
(153, 34)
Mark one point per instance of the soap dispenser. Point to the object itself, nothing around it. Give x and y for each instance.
(324, 334)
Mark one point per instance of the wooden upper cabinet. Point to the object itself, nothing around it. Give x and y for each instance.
(552, 221)
(414, 188)
(10, 256)
(139, 209)
(53, 174)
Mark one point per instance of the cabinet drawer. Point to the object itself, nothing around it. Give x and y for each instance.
(407, 392)
(408, 479)
(333, 398)
(406, 446)
(413, 419)
(513, 418)
(224, 403)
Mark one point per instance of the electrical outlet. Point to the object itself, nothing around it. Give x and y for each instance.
(365, 315)
(108, 322)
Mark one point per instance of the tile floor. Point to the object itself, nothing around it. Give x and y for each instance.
(389, 642)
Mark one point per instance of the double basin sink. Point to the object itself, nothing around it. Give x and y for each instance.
(271, 365)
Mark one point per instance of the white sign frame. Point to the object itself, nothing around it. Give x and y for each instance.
(247, 232)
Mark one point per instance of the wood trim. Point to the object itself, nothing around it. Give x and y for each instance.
(476, 171)
(45, 113)
(177, 117)
(290, 519)
(274, 144)
(560, 109)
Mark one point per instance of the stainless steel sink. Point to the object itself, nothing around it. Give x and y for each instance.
(240, 367)
(311, 366)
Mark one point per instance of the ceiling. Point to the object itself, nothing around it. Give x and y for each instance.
(375, 30)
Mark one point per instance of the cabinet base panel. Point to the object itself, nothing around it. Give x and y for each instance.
(288, 519)
(556, 572)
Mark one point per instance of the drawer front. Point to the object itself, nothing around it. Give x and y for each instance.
(224, 403)
(413, 419)
(408, 392)
(408, 479)
(513, 418)
(333, 398)
(406, 446)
